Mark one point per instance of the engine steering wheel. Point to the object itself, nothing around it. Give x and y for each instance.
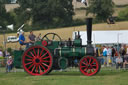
(51, 37)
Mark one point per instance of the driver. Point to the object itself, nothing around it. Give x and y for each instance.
(22, 40)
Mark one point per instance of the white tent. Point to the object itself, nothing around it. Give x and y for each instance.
(105, 37)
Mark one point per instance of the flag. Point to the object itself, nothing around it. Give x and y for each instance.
(11, 27)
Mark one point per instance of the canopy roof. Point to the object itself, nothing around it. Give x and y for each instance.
(105, 37)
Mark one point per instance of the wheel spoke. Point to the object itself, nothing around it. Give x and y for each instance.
(90, 61)
(43, 67)
(34, 51)
(28, 59)
(33, 68)
(93, 69)
(41, 52)
(30, 66)
(93, 65)
(45, 64)
(40, 69)
(53, 37)
(44, 55)
(46, 37)
(32, 54)
(45, 61)
(28, 63)
(36, 68)
(28, 56)
(38, 53)
(86, 60)
(90, 70)
(85, 69)
(84, 63)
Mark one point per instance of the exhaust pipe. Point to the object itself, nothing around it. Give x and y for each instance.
(89, 48)
(89, 31)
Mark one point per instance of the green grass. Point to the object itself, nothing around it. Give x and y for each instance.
(104, 77)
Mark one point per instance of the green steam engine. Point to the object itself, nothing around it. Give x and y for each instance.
(51, 53)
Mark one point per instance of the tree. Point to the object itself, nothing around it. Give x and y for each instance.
(101, 9)
(123, 14)
(2, 14)
(46, 12)
(5, 17)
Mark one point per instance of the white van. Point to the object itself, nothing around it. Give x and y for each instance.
(12, 39)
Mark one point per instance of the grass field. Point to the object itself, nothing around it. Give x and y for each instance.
(104, 77)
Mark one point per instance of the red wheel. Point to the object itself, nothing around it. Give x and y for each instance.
(89, 66)
(37, 60)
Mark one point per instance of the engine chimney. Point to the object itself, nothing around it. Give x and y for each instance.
(89, 49)
(89, 31)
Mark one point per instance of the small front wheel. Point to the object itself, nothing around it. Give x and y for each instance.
(89, 66)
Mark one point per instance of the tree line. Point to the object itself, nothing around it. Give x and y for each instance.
(51, 13)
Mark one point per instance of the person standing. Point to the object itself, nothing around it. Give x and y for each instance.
(105, 55)
(123, 52)
(109, 54)
(9, 64)
(113, 55)
(31, 38)
(1, 53)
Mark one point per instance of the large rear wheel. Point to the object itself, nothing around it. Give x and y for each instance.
(89, 66)
(37, 60)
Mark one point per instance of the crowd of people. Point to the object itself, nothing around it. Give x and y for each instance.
(110, 56)
(6, 60)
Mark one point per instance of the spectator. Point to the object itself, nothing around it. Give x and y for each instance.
(119, 62)
(9, 64)
(7, 54)
(123, 52)
(31, 38)
(105, 55)
(22, 40)
(1, 53)
(125, 62)
(38, 38)
(113, 55)
(109, 54)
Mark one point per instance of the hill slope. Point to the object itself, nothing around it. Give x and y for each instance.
(66, 32)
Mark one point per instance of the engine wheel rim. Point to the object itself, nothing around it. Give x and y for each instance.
(37, 60)
(54, 36)
(89, 66)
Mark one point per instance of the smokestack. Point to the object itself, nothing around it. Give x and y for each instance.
(89, 31)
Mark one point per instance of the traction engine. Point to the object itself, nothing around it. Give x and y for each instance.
(51, 53)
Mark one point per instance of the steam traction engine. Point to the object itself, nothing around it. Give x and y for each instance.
(52, 54)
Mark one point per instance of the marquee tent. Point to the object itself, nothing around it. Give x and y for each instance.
(105, 37)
